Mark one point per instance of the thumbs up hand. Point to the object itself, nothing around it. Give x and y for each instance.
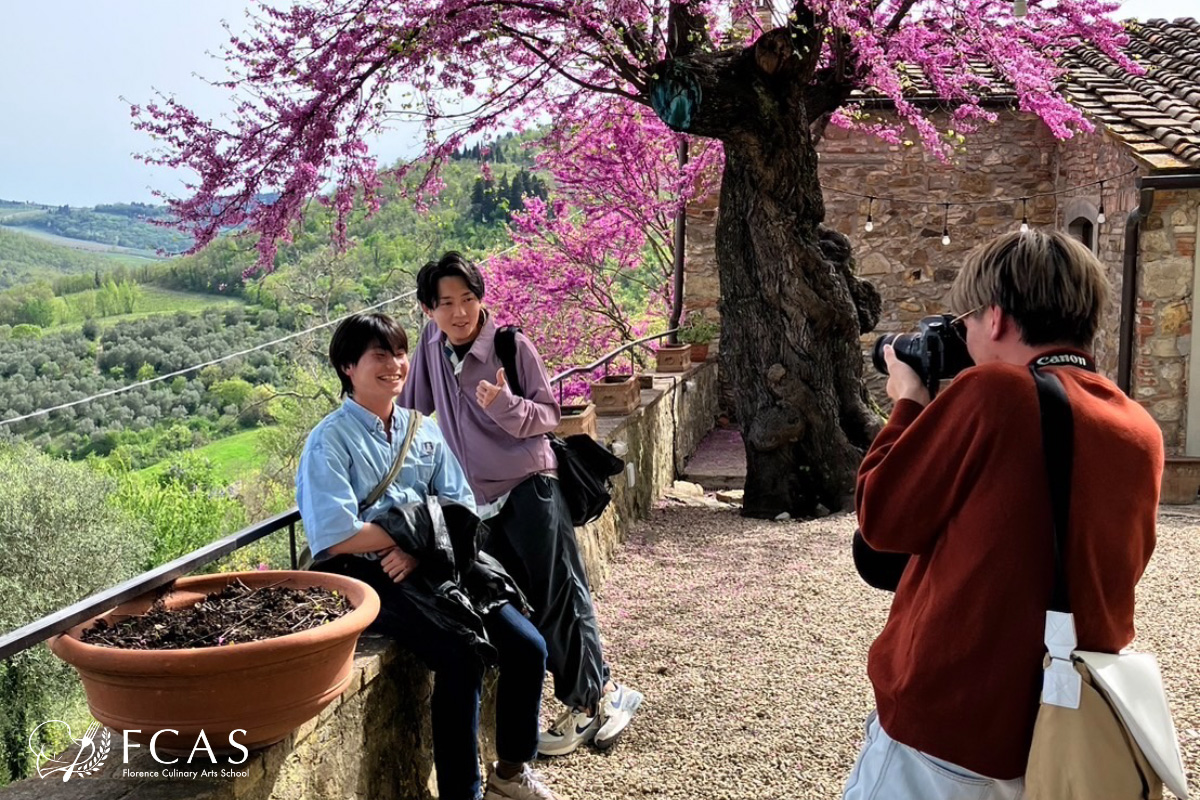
(486, 393)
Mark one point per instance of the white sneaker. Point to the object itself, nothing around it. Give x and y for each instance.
(616, 711)
(526, 785)
(571, 729)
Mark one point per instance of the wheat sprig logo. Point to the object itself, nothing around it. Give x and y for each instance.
(89, 758)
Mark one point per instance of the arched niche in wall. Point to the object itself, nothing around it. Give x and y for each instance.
(1079, 220)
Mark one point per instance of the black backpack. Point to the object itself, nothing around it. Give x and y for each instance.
(585, 467)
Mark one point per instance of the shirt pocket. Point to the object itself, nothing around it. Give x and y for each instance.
(418, 470)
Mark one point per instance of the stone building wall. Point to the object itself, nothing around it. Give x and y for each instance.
(1083, 160)
(1163, 333)
(903, 255)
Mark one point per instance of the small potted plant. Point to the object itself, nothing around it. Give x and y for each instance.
(216, 653)
(698, 333)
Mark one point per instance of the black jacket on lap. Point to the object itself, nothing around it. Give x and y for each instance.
(455, 584)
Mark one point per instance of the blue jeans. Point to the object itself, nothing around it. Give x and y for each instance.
(458, 680)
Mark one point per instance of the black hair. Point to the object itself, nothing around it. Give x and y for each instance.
(356, 335)
(452, 264)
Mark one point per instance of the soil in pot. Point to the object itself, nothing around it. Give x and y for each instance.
(236, 614)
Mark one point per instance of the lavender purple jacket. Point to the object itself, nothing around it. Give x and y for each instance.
(498, 446)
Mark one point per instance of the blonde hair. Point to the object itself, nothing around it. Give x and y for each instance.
(1049, 283)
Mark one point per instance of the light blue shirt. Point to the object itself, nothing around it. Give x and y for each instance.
(346, 456)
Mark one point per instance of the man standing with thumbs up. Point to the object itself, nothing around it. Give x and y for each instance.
(499, 439)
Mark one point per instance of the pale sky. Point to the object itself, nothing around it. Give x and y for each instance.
(65, 134)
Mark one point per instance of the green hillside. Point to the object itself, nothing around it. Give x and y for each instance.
(232, 457)
(113, 224)
(24, 258)
(153, 300)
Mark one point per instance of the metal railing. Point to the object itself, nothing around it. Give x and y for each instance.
(64, 619)
(605, 360)
(40, 630)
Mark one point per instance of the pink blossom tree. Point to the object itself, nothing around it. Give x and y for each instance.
(607, 236)
(313, 80)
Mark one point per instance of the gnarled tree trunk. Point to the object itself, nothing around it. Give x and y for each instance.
(791, 308)
(791, 315)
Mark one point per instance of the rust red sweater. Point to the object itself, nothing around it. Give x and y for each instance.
(962, 486)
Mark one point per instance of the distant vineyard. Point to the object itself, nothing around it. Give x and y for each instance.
(150, 422)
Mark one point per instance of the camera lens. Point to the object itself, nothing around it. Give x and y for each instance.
(877, 355)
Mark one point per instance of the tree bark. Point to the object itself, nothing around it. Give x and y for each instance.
(791, 314)
(791, 307)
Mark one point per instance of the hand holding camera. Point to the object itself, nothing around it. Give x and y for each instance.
(903, 381)
(938, 350)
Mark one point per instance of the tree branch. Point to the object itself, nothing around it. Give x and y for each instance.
(687, 32)
(899, 16)
(528, 45)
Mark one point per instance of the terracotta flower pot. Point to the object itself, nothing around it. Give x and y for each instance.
(673, 358)
(268, 688)
(699, 353)
(577, 419)
(616, 395)
(1180, 480)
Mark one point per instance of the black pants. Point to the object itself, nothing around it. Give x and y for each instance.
(534, 539)
(458, 679)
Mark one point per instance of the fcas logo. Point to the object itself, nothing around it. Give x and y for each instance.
(94, 747)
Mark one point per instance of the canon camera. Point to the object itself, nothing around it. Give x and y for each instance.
(937, 350)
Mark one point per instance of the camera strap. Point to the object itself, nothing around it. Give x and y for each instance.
(1064, 358)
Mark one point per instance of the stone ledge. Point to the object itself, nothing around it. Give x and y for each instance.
(382, 717)
(381, 723)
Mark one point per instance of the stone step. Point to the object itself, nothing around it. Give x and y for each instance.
(719, 463)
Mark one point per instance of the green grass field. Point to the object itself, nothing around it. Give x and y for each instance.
(161, 301)
(232, 457)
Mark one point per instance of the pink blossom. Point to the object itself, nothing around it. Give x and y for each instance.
(310, 82)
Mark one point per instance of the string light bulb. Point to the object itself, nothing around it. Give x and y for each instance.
(1024, 216)
(945, 223)
(870, 226)
(1100, 217)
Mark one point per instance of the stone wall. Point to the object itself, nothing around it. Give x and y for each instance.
(904, 256)
(1017, 156)
(1163, 333)
(1083, 160)
(374, 742)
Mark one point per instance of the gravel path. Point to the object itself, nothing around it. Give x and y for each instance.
(749, 640)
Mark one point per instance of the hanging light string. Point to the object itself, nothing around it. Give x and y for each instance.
(992, 201)
(871, 198)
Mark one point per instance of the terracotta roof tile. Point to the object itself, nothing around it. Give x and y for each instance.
(1166, 161)
(1157, 114)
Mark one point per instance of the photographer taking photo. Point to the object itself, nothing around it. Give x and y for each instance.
(960, 485)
